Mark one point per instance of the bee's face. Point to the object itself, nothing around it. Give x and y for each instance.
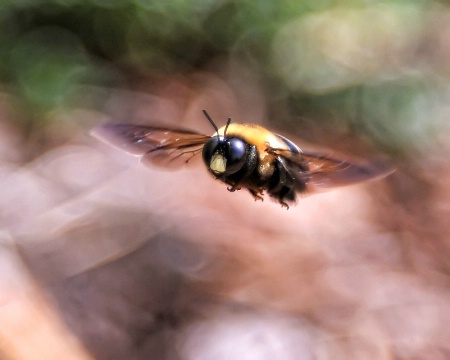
(224, 155)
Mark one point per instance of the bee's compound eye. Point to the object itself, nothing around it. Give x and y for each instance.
(236, 155)
(210, 148)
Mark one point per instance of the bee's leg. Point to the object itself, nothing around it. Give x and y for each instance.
(257, 194)
(283, 204)
(233, 188)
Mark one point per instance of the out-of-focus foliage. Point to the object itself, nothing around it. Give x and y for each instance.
(305, 53)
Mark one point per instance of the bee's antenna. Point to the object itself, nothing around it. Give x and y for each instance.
(226, 126)
(211, 121)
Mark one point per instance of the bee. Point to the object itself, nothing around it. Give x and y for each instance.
(242, 156)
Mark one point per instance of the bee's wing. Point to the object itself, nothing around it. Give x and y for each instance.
(323, 171)
(155, 145)
(331, 172)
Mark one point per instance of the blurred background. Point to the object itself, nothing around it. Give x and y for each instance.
(103, 258)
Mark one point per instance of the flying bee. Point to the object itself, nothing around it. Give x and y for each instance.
(242, 156)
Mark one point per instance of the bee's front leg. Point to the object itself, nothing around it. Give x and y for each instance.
(257, 194)
(233, 188)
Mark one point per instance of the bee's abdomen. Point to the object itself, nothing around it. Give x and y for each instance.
(283, 186)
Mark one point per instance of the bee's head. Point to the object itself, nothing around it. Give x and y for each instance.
(223, 154)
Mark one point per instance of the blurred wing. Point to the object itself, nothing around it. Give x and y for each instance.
(322, 171)
(157, 146)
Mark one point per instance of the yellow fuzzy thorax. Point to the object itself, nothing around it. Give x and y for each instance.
(255, 135)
